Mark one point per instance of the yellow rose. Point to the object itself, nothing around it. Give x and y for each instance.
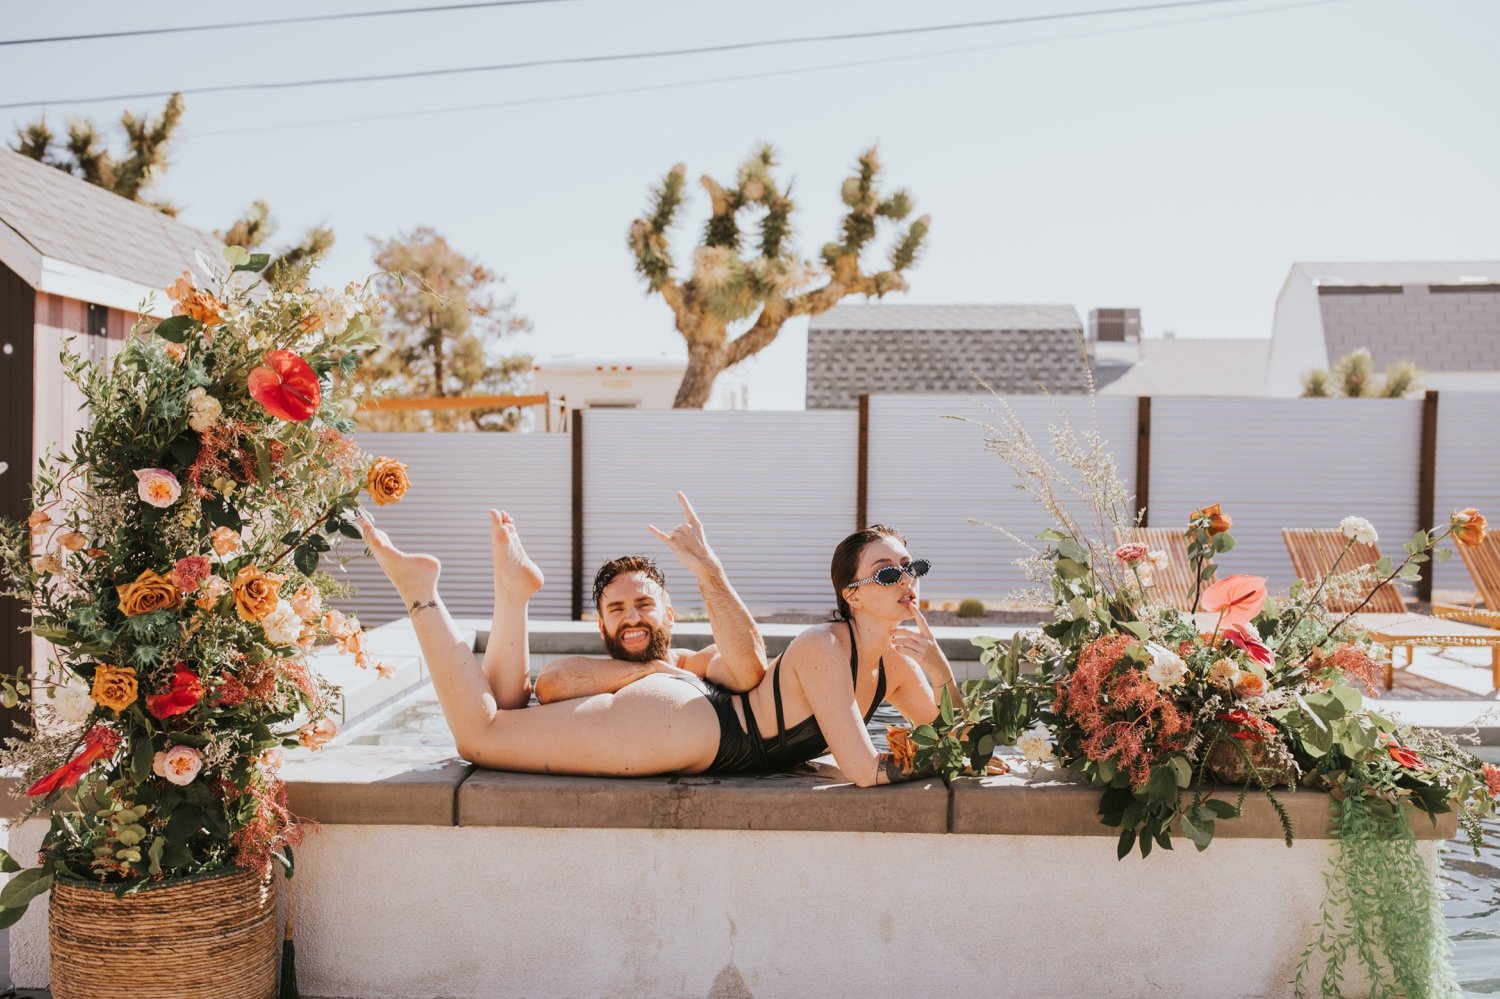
(150, 592)
(387, 481)
(255, 593)
(903, 749)
(1469, 526)
(114, 687)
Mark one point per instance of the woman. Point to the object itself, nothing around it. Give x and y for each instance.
(815, 697)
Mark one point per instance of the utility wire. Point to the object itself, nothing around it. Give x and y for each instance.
(740, 77)
(630, 56)
(348, 16)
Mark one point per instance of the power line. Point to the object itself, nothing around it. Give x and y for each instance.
(740, 77)
(631, 56)
(348, 16)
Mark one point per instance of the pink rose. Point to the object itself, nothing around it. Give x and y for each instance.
(180, 765)
(157, 486)
(1132, 553)
(1248, 685)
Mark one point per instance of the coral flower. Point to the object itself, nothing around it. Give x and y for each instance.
(1244, 636)
(1131, 553)
(1468, 526)
(903, 749)
(1492, 780)
(286, 386)
(1218, 521)
(1237, 598)
(182, 696)
(1405, 757)
(99, 744)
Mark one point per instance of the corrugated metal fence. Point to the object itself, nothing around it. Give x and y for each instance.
(777, 490)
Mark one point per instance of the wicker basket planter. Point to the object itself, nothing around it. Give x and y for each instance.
(206, 937)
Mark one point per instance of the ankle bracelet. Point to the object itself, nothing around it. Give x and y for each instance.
(417, 606)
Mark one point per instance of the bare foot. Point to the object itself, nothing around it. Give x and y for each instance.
(414, 576)
(516, 576)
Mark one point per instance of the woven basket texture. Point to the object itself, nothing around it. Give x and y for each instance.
(207, 937)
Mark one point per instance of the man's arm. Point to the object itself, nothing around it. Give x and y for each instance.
(737, 659)
(582, 676)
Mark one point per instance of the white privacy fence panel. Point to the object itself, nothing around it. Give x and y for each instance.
(455, 479)
(775, 491)
(1468, 468)
(1275, 463)
(929, 476)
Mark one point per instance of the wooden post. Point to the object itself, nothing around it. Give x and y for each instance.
(1143, 457)
(862, 486)
(1427, 486)
(577, 431)
(18, 450)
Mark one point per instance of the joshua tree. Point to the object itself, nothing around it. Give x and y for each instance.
(769, 284)
(255, 227)
(1353, 377)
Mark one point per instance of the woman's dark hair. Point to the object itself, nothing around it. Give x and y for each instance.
(846, 562)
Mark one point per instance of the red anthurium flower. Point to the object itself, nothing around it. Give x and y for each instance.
(1243, 636)
(1239, 598)
(99, 744)
(178, 699)
(1405, 757)
(1247, 726)
(286, 386)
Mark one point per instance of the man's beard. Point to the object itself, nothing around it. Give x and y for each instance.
(657, 647)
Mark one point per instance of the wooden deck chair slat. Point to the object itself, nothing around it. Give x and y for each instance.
(1483, 562)
(1314, 553)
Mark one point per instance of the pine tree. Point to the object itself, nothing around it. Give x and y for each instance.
(765, 283)
(442, 334)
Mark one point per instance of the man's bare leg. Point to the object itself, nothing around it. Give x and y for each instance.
(507, 654)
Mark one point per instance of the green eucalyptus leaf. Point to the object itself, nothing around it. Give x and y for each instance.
(256, 263)
(175, 329)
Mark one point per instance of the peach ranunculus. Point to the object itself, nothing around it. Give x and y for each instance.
(181, 289)
(73, 541)
(209, 593)
(226, 541)
(1218, 521)
(149, 592)
(256, 593)
(338, 626)
(1468, 526)
(195, 304)
(315, 736)
(158, 487)
(180, 764)
(1237, 598)
(385, 670)
(1248, 685)
(307, 602)
(114, 687)
(387, 481)
(37, 521)
(903, 749)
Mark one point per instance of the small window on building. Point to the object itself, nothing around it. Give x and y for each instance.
(613, 404)
(98, 321)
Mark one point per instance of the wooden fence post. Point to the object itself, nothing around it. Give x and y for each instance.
(1427, 486)
(576, 429)
(1143, 457)
(862, 487)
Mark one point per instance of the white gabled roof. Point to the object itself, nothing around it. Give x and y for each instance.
(910, 316)
(1382, 273)
(65, 236)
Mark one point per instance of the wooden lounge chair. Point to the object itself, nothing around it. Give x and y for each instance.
(1483, 562)
(1386, 617)
(1175, 583)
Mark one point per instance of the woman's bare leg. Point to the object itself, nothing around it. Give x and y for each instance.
(656, 725)
(507, 653)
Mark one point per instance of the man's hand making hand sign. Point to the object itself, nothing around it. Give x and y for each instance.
(689, 543)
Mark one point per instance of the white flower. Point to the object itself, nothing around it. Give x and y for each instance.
(1036, 744)
(282, 625)
(72, 704)
(335, 310)
(1359, 529)
(206, 410)
(1159, 560)
(1224, 671)
(1147, 580)
(1167, 668)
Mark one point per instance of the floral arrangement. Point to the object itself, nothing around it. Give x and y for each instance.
(1158, 706)
(172, 562)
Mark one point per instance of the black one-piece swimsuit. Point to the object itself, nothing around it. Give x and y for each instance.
(744, 750)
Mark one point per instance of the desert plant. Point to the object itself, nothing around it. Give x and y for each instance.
(970, 607)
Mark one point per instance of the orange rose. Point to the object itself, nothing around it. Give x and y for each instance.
(150, 592)
(387, 481)
(181, 289)
(903, 749)
(255, 593)
(1468, 526)
(201, 306)
(114, 687)
(1218, 521)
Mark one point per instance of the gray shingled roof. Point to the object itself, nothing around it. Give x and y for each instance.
(883, 316)
(73, 221)
(1392, 273)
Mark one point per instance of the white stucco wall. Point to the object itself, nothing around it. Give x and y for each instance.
(408, 911)
(1297, 342)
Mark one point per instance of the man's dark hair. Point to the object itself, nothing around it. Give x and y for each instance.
(618, 566)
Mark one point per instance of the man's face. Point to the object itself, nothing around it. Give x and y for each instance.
(635, 618)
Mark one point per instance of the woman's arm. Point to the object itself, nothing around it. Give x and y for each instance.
(918, 693)
(583, 676)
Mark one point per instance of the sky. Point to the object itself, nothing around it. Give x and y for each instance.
(1175, 160)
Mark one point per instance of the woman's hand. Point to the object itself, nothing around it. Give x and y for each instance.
(689, 543)
(921, 646)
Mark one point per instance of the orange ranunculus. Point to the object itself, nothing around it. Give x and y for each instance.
(181, 289)
(185, 691)
(1238, 598)
(114, 687)
(255, 593)
(1218, 521)
(387, 481)
(286, 386)
(903, 749)
(225, 540)
(149, 592)
(1468, 526)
